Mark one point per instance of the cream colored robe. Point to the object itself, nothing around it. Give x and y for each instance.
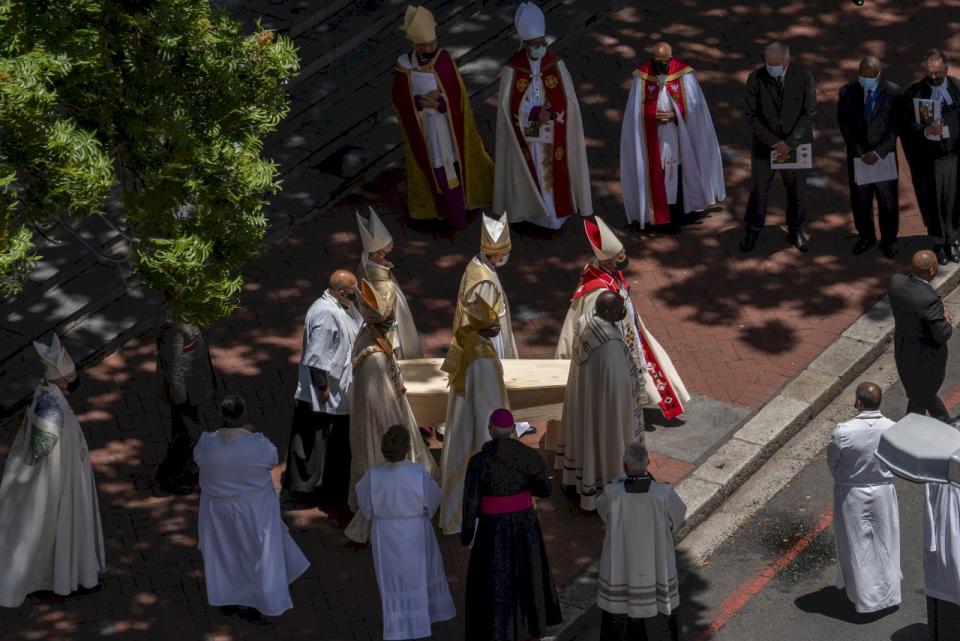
(514, 190)
(468, 418)
(50, 532)
(374, 407)
(406, 340)
(480, 278)
(601, 413)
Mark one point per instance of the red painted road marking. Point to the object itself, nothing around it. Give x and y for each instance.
(953, 398)
(751, 587)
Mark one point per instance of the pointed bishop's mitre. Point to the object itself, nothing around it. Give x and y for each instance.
(376, 304)
(373, 235)
(604, 242)
(419, 24)
(481, 313)
(55, 359)
(495, 235)
(529, 21)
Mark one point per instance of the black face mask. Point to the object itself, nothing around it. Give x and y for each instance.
(622, 265)
(351, 296)
(660, 68)
(426, 57)
(386, 326)
(73, 385)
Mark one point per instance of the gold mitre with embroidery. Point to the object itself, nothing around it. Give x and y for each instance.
(376, 304)
(419, 24)
(55, 359)
(604, 242)
(373, 234)
(495, 235)
(482, 314)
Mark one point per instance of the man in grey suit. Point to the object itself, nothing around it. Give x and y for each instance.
(866, 111)
(184, 380)
(780, 106)
(921, 329)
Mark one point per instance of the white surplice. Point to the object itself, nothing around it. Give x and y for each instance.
(941, 541)
(638, 563)
(399, 499)
(50, 532)
(866, 518)
(329, 330)
(690, 141)
(602, 411)
(515, 191)
(468, 419)
(249, 557)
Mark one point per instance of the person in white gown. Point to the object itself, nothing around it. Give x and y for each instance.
(941, 556)
(249, 557)
(399, 498)
(50, 532)
(866, 524)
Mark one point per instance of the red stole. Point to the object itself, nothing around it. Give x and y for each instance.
(448, 84)
(594, 278)
(556, 97)
(649, 93)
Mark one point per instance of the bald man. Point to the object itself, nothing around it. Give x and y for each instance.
(670, 162)
(318, 457)
(866, 521)
(866, 111)
(921, 330)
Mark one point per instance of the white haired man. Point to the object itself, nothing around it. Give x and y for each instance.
(638, 558)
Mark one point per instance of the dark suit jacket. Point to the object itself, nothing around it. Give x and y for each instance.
(915, 144)
(184, 369)
(880, 133)
(771, 121)
(920, 331)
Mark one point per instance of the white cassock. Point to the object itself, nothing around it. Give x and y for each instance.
(941, 541)
(515, 191)
(329, 330)
(866, 518)
(400, 499)
(468, 420)
(249, 557)
(602, 411)
(50, 532)
(638, 563)
(690, 141)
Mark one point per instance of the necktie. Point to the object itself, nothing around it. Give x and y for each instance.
(868, 107)
(780, 89)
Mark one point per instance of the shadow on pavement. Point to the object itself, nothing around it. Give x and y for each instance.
(913, 632)
(833, 603)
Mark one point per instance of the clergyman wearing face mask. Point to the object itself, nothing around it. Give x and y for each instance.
(930, 145)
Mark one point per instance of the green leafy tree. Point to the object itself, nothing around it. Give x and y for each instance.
(151, 115)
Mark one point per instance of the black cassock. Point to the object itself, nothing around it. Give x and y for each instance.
(510, 593)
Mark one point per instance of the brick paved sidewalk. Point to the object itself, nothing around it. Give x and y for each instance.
(737, 327)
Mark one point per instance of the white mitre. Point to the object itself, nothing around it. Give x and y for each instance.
(373, 235)
(529, 21)
(495, 235)
(55, 359)
(604, 242)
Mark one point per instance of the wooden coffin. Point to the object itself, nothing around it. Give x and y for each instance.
(536, 388)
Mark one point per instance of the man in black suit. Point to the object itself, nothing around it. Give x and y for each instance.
(867, 116)
(931, 151)
(781, 105)
(921, 330)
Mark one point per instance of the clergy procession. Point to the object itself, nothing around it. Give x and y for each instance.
(405, 447)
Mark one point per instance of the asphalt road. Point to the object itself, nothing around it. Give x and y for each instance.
(799, 602)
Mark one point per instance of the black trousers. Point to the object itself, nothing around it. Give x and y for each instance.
(318, 456)
(922, 375)
(185, 428)
(935, 185)
(620, 627)
(761, 180)
(943, 619)
(888, 208)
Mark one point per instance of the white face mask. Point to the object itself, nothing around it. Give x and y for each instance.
(537, 52)
(500, 261)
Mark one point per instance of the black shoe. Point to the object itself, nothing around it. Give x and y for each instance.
(798, 240)
(748, 242)
(889, 250)
(953, 253)
(941, 254)
(863, 245)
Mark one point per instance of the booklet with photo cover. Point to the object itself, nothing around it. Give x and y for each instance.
(799, 158)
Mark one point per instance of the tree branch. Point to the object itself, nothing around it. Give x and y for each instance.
(90, 247)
